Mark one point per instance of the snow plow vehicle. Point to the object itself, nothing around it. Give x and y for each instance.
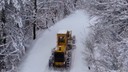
(62, 53)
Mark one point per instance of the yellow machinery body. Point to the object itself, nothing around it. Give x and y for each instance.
(60, 55)
(62, 43)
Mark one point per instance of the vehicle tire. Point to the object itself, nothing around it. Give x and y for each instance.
(69, 54)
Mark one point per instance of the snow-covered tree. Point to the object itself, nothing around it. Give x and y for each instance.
(109, 35)
(19, 22)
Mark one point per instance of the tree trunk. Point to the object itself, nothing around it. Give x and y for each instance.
(3, 19)
(34, 24)
(34, 31)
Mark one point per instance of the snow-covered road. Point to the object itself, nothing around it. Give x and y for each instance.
(38, 57)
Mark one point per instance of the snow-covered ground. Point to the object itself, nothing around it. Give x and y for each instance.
(38, 57)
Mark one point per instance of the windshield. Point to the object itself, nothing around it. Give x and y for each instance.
(59, 56)
(61, 39)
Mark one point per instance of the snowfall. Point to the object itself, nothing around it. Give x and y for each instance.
(38, 57)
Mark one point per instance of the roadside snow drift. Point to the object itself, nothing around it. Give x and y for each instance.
(38, 57)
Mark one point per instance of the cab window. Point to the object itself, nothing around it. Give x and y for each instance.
(61, 39)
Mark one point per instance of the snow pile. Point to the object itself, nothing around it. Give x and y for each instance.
(38, 57)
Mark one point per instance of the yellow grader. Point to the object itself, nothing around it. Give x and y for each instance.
(62, 53)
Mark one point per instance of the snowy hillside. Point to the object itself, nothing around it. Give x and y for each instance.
(38, 57)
